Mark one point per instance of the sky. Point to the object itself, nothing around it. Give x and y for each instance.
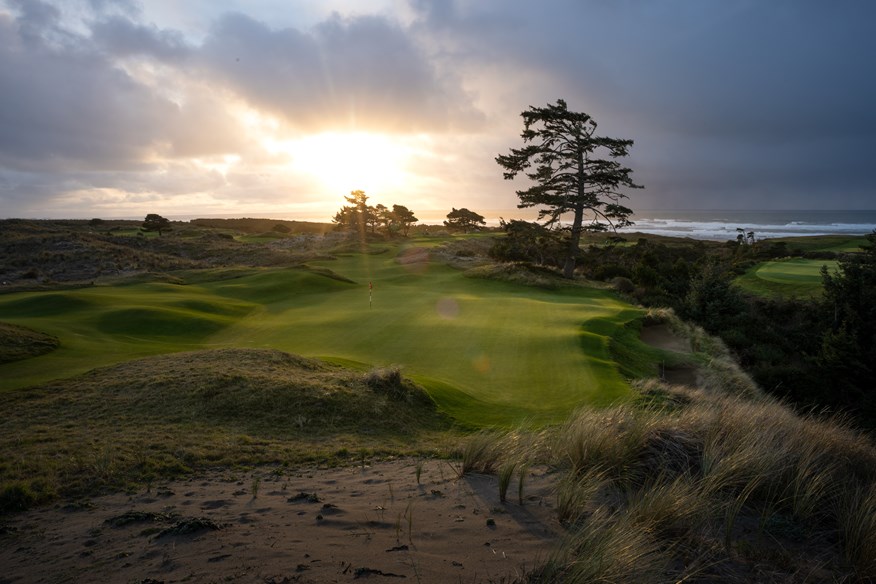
(279, 108)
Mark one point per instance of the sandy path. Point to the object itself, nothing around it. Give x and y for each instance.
(375, 523)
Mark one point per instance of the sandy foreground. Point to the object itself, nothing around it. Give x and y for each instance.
(311, 525)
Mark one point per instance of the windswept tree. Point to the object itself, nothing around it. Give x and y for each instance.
(355, 216)
(155, 222)
(464, 219)
(573, 171)
(403, 218)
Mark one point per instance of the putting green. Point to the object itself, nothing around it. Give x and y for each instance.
(793, 277)
(489, 352)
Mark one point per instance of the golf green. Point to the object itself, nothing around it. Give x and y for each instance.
(489, 352)
(792, 277)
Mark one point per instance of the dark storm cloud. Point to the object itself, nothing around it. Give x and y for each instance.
(751, 97)
(358, 73)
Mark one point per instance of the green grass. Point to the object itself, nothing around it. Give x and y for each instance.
(796, 277)
(491, 353)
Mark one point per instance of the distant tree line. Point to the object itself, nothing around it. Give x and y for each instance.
(360, 217)
(363, 218)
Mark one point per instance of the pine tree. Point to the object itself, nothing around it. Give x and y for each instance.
(575, 171)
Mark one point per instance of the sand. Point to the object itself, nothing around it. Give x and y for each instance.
(309, 525)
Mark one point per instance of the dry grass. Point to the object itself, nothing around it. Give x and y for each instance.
(702, 485)
(169, 415)
(18, 342)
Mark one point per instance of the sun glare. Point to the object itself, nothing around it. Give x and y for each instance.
(344, 162)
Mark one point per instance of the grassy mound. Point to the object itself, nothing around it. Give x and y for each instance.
(18, 342)
(270, 286)
(166, 415)
(520, 273)
(156, 322)
(51, 304)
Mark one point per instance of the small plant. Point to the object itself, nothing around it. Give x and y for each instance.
(505, 474)
(479, 454)
(520, 480)
(256, 481)
(418, 469)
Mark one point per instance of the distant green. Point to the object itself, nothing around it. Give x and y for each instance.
(799, 278)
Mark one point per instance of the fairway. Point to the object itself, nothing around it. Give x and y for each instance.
(793, 277)
(490, 353)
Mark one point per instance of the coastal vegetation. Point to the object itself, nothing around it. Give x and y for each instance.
(138, 359)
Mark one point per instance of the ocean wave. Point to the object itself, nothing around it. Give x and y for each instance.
(719, 230)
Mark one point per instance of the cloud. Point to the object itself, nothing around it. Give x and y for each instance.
(120, 37)
(359, 73)
(76, 108)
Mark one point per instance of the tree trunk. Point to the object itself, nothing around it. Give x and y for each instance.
(574, 242)
(569, 267)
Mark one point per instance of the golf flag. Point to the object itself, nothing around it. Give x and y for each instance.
(370, 288)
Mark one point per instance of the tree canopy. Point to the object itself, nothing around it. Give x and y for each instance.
(573, 171)
(155, 222)
(360, 216)
(464, 219)
(403, 217)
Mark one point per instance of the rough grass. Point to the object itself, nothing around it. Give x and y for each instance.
(705, 486)
(172, 414)
(18, 343)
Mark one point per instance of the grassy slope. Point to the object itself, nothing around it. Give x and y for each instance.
(490, 352)
(17, 343)
(169, 414)
(792, 277)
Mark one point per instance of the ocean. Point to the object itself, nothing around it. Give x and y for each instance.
(722, 225)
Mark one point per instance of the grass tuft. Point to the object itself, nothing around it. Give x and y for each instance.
(505, 473)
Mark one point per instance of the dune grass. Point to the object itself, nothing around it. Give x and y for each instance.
(168, 415)
(798, 278)
(703, 486)
(490, 352)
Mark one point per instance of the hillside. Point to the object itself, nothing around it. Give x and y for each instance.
(171, 414)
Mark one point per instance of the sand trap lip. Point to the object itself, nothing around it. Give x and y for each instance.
(662, 337)
(351, 523)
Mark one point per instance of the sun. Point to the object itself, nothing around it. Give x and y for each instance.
(344, 162)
